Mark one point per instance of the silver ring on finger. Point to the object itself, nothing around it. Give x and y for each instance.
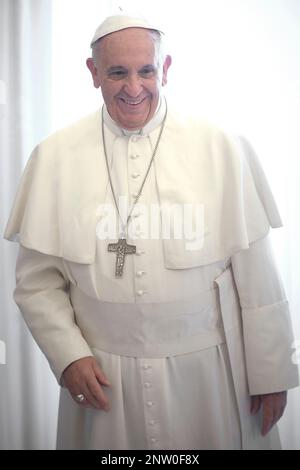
(80, 397)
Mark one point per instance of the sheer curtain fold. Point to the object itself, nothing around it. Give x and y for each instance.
(29, 395)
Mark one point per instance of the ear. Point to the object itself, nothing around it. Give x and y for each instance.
(167, 63)
(94, 72)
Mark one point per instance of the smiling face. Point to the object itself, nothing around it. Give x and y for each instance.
(127, 70)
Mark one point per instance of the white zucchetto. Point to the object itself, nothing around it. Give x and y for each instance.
(118, 22)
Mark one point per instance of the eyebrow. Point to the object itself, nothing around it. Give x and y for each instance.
(151, 66)
(117, 68)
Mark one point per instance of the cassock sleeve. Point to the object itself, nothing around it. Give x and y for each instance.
(267, 329)
(42, 295)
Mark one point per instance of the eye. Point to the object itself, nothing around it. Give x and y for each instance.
(117, 74)
(148, 71)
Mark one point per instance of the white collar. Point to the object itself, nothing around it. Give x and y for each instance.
(146, 130)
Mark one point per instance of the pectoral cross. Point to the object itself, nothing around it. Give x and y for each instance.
(122, 249)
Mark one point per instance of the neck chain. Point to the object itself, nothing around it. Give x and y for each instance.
(122, 248)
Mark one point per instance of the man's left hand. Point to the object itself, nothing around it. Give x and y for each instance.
(273, 405)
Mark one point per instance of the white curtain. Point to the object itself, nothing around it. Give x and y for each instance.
(236, 62)
(28, 393)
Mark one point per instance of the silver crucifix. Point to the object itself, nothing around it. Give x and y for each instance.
(122, 249)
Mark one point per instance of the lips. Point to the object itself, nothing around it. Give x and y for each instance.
(131, 102)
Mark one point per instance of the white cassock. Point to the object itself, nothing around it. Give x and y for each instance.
(186, 335)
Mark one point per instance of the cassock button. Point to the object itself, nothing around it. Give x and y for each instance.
(140, 273)
(149, 403)
(140, 292)
(139, 252)
(135, 175)
(153, 440)
(151, 422)
(147, 385)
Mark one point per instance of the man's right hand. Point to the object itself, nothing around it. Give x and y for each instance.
(84, 377)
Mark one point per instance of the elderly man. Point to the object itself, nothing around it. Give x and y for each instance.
(158, 342)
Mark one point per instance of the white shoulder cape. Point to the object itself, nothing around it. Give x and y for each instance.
(56, 207)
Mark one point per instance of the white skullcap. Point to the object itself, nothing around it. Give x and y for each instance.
(116, 23)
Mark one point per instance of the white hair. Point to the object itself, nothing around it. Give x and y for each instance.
(158, 43)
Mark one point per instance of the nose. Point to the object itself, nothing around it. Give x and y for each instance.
(133, 86)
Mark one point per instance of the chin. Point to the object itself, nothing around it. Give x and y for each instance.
(131, 124)
(134, 120)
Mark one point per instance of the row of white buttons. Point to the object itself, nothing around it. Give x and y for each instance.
(136, 175)
(153, 440)
(141, 273)
(150, 403)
